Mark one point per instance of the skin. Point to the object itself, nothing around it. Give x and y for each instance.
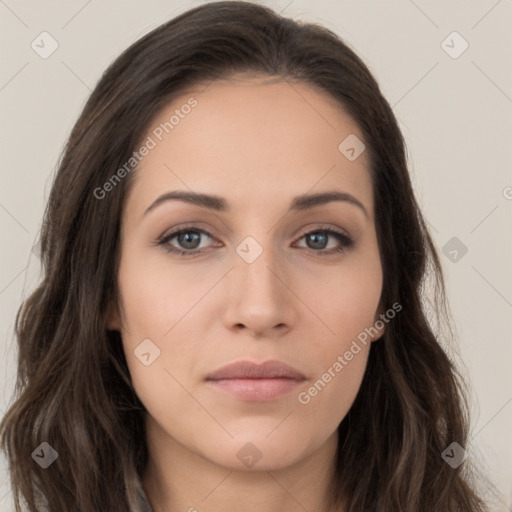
(258, 144)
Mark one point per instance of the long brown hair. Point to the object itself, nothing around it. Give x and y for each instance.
(73, 388)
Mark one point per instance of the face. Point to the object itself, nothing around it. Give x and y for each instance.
(254, 276)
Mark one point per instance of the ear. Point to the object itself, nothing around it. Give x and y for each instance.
(113, 318)
(379, 325)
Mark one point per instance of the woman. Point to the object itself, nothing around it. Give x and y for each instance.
(231, 315)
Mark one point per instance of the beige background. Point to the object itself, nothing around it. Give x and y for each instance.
(456, 115)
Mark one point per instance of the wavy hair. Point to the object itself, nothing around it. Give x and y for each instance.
(73, 387)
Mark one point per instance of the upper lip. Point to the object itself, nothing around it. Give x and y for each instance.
(249, 370)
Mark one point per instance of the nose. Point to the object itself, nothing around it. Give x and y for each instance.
(260, 299)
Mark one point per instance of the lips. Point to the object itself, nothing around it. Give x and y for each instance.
(256, 382)
(248, 370)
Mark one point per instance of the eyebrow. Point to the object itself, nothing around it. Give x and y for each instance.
(299, 203)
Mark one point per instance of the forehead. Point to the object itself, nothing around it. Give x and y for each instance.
(253, 140)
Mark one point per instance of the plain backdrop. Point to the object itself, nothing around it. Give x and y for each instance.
(454, 106)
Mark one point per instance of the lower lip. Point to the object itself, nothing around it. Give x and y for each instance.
(256, 390)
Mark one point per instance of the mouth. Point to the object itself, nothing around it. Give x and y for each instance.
(256, 382)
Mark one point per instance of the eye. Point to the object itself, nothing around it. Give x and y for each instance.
(317, 241)
(188, 240)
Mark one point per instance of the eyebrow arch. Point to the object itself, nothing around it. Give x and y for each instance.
(299, 203)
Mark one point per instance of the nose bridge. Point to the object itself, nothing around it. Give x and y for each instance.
(258, 267)
(260, 300)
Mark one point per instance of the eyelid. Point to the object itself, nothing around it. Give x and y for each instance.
(176, 230)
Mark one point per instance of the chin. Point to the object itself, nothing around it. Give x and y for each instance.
(256, 449)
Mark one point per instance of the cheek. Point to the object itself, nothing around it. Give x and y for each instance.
(157, 314)
(348, 307)
(329, 396)
(154, 297)
(346, 302)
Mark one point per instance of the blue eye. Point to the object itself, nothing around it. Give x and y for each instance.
(318, 239)
(189, 238)
(189, 241)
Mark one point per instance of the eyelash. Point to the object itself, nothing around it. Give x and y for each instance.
(345, 241)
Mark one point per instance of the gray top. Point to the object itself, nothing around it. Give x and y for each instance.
(143, 505)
